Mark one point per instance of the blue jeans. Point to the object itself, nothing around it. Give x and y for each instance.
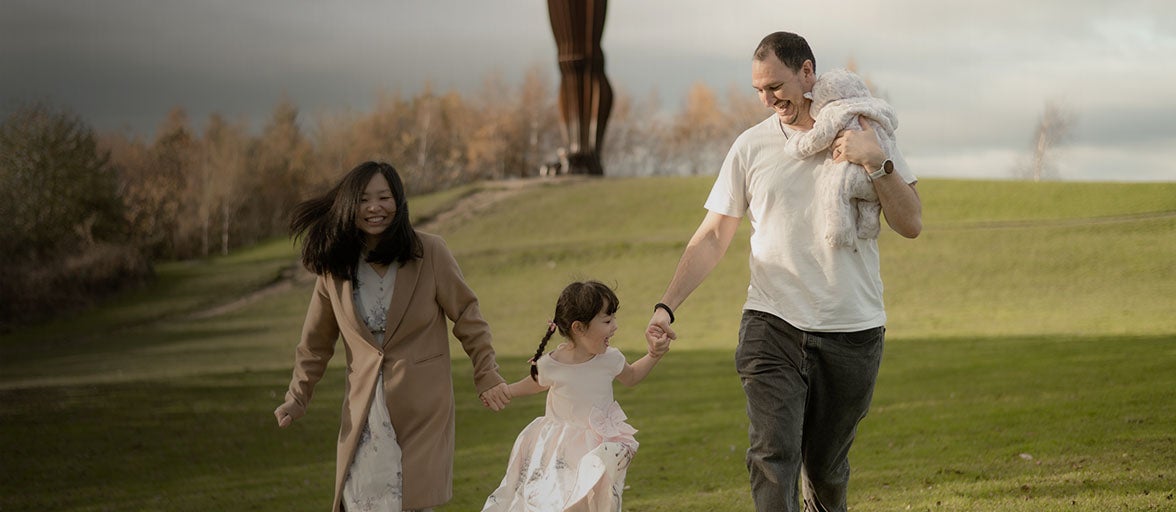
(806, 392)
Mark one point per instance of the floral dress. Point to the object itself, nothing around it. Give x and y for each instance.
(374, 481)
(575, 456)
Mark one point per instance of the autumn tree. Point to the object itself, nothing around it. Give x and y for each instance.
(450, 135)
(153, 183)
(636, 131)
(533, 130)
(334, 138)
(486, 148)
(278, 174)
(1054, 127)
(698, 134)
(743, 110)
(439, 122)
(222, 169)
(385, 134)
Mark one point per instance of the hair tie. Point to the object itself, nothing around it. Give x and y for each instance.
(551, 327)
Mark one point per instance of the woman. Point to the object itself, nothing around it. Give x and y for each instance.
(387, 290)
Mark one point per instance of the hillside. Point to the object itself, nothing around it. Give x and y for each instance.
(1028, 362)
(995, 258)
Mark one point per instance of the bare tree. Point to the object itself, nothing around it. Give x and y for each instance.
(635, 134)
(56, 184)
(537, 122)
(62, 233)
(221, 169)
(1054, 128)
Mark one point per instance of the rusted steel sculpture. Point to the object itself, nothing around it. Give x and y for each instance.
(585, 97)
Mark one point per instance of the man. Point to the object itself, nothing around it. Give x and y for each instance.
(810, 341)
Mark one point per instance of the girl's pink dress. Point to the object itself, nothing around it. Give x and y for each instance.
(575, 456)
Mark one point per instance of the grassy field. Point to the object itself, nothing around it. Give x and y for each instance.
(1030, 361)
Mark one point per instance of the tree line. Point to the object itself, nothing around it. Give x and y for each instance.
(86, 212)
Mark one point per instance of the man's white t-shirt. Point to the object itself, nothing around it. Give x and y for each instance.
(795, 274)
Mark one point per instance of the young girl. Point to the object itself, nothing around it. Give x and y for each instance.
(387, 291)
(575, 456)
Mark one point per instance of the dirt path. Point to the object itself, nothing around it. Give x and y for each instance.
(488, 194)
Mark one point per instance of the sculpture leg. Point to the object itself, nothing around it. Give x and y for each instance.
(585, 95)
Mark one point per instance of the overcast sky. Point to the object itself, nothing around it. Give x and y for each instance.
(968, 79)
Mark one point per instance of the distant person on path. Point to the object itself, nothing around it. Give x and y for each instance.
(576, 455)
(387, 290)
(810, 341)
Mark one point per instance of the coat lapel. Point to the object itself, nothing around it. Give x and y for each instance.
(406, 281)
(347, 298)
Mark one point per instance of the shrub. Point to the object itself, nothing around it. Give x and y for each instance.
(39, 289)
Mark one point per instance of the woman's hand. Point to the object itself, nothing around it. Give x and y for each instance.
(284, 419)
(496, 398)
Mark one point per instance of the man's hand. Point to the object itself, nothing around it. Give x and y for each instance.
(859, 146)
(658, 333)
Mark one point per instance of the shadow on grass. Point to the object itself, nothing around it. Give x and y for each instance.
(141, 445)
(126, 353)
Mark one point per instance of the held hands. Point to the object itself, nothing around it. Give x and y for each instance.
(659, 346)
(496, 398)
(859, 146)
(658, 334)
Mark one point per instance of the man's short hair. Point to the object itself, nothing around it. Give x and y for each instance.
(790, 48)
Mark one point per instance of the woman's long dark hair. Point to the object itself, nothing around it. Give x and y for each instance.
(332, 243)
(579, 302)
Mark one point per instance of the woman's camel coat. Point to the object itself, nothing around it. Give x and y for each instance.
(415, 358)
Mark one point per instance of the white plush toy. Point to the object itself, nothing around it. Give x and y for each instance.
(844, 192)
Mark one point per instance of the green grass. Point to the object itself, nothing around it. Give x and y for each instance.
(1030, 361)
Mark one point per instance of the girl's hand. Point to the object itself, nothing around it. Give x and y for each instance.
(658, 335)
(659, 345)
(496, 398)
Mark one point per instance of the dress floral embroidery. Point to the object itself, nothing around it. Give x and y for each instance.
(576, 455)
(374, 480)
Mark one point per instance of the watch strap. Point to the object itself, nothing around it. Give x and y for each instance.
(887, 167)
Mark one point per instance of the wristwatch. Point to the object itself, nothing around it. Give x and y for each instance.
(886, 168)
